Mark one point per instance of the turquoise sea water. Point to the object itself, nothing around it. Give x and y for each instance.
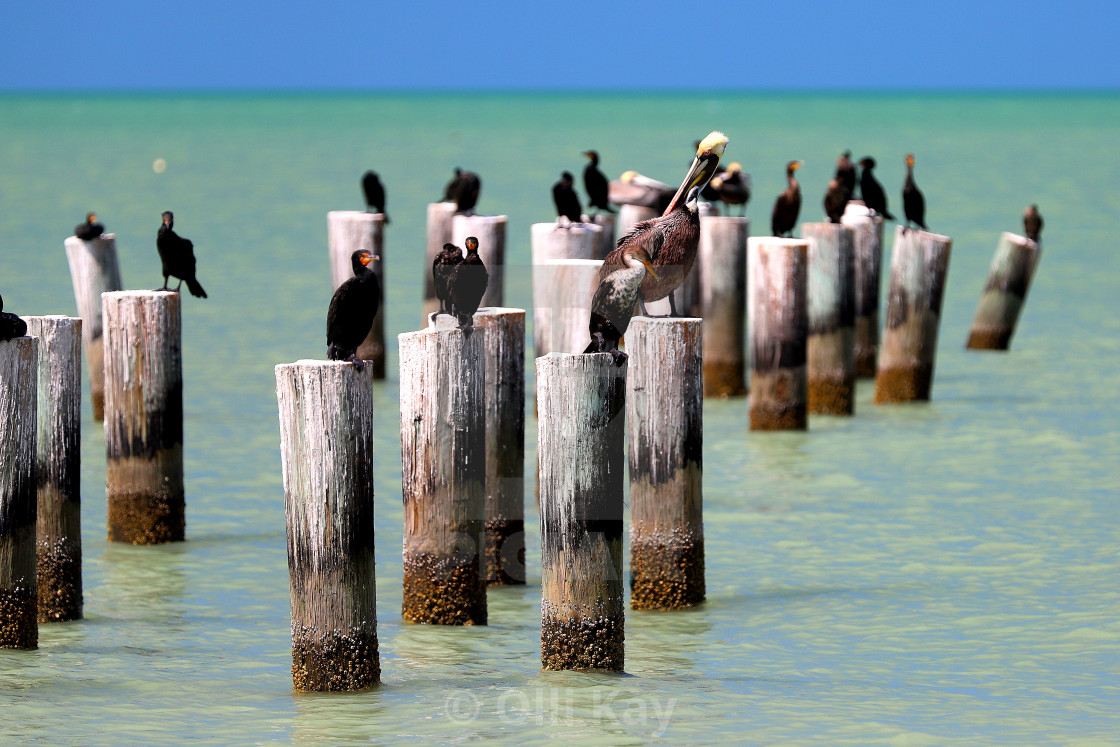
(913, 575)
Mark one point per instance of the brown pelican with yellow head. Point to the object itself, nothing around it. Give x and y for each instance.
(672, 240)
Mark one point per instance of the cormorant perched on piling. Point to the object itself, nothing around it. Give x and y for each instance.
(353, 307)
(374, 193)
(673, 239)
(871, 190)
(633, 188)
(89, 230)
(613, 304)
(566, 199)
(913, 203)
(1032, 224)
(836, 199)
(595, 182)
(466, 195)
(11, 326)
(732, 187)
(443, 267)
(788, 205)
(846, 172)
(452, 188)
(177, 256)
(468, 286)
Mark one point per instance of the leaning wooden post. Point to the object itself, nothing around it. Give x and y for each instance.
(490, 230)
(144, 416)
(443, 453)
(1009, 280)
(778, 273)
(605, 237)
(551, 242)
(580, 461)
(630, 215)
(919, 264)
(665, 433)
(722, 267)
(440, 215)
(832, 316)
(326, 454)
(58, 463)
(93, 271)
(504, 556)
(347, 232)
(19, 362)
(868, 242)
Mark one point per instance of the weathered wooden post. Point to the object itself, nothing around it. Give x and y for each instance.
(490, 230)
(58, 464)
(504, 556)
(93, 271)
(919, 264)
(550, 242)
(722, 268)
(630, 215)
(443, 453)
(868, 242)
(144, 416)
(326, 453)
(778, 273)
(605, 237)
(832, 316)
(571, 286)
(665, 433)
(580, 460)
(347, 232)
(440, 216)
(19, 362)
(1009, 280)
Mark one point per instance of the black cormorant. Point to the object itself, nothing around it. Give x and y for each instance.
(788, 205)
(452, 189)
(595, 182)
(466, 195)
(1032, 223)
(353, 307)
(177, 256)
(443, 267)
(613, 304)
(374, 192)
(89, 230)
(567, 202)
(11, 326)
(468, 286)
(871, 191)
(835, 199)
(913, 203)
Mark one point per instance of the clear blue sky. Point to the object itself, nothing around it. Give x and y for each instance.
(444, 44)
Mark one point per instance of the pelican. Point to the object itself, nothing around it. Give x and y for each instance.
(672, 240)
(733, 187)
(613, 304)
(784, 215)
(633, 188)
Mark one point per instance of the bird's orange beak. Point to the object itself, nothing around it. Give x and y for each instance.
(649, 269)
(369, 258)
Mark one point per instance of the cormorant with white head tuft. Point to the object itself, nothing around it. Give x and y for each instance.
(468, 286)
(177, 256)
(565, 197)
(595, 182)
(732, 186)
(673, 239)
(11, 326)
(89, 230)
(613, 304)
(353, 307)
(443, 267)
(788, 205)
(1032, 224)
(374, 192)
(913, 202)
(871, 190)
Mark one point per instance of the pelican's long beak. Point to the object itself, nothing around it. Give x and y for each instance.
(650, 270)
(703, 167)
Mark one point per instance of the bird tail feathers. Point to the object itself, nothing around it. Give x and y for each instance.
(196, 288)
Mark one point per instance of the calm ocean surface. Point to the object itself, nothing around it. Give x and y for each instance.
(913, 575)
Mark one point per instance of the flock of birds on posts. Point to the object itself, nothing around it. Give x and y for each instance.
(647, 264)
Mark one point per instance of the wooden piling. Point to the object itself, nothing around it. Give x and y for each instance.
(93, 271)
(665, 434)
(630, 215)
(1009, 280)
(832, 315)
(868, 243)
(550, 242)
(347, 232)
(580, 462)
(722, 269)
(19, 362)
(443, 453)
(490, 230)
(144, 416)
(919, 265)
(570, 286)
(777, 270)
(605, 238)
(504, 555)
(440, 215)
(326, 454)
(58, 464)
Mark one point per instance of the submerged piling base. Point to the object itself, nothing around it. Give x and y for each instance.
(19, 627)
(443, 590)
(666, 570)
(584, 642)
(903, 384)
(145, 502)
(779, 400)
(331, 661)
(505, 551)
(58, 575)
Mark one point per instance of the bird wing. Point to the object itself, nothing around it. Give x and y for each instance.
(647, 234)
